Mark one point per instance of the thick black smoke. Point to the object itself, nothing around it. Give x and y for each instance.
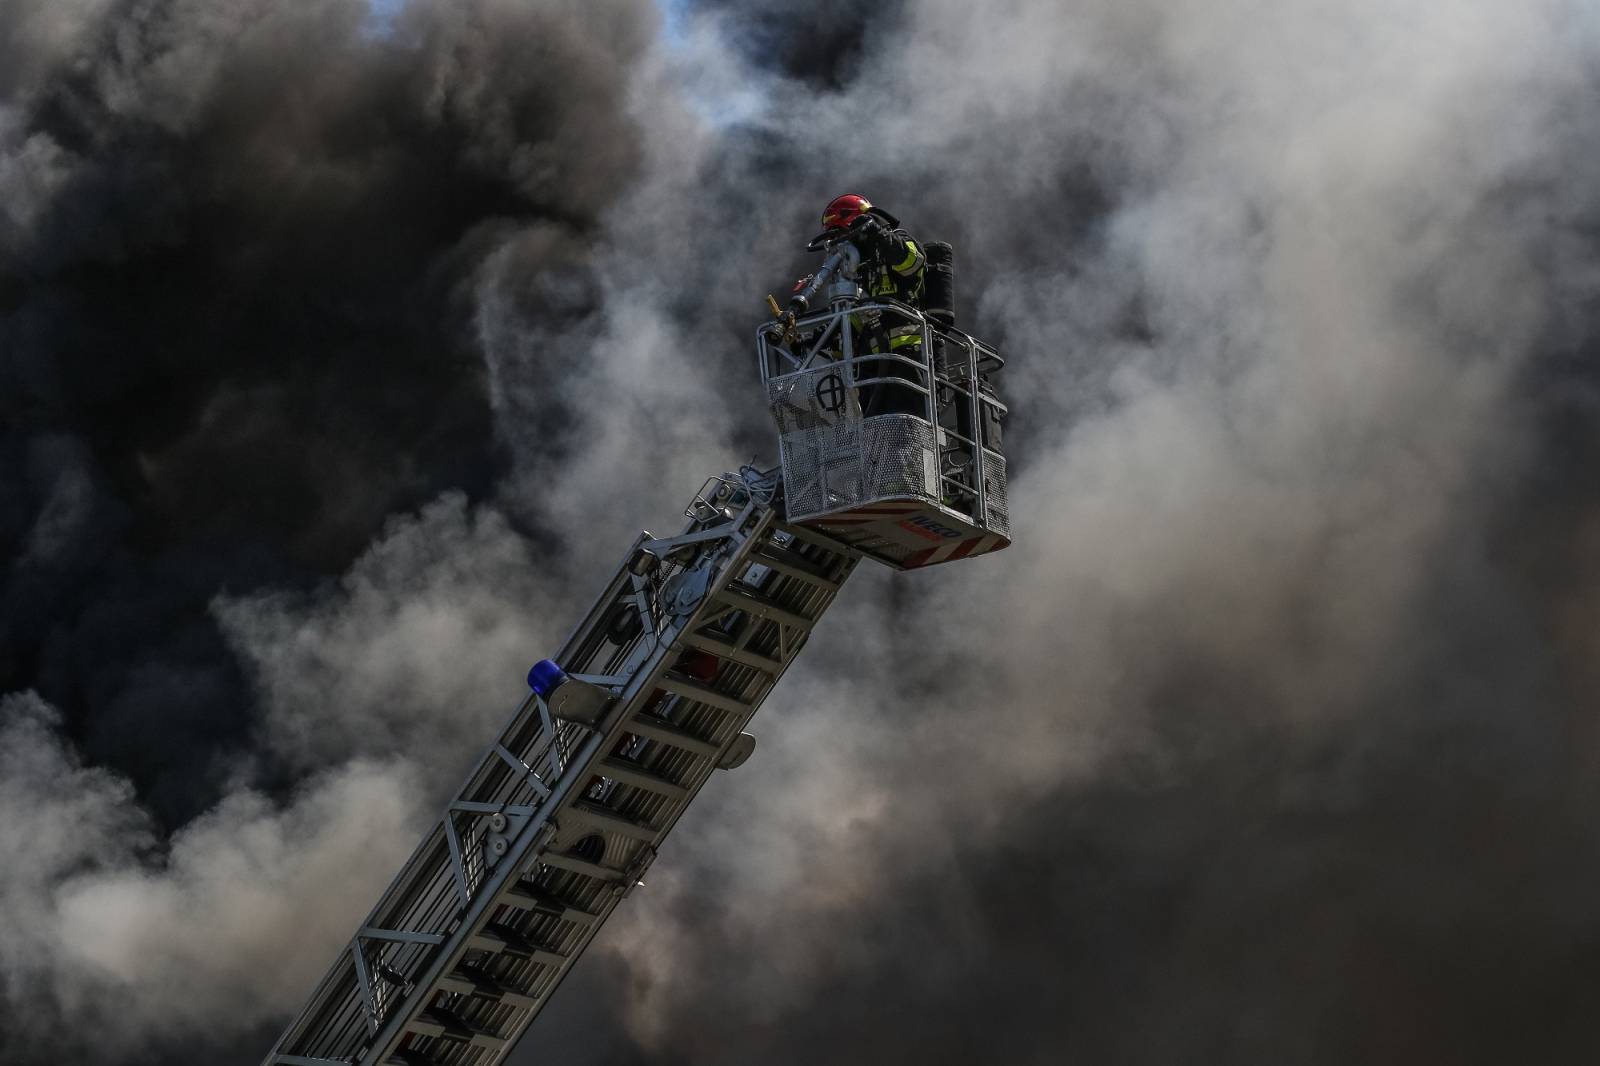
(822, 44)
(236, 269)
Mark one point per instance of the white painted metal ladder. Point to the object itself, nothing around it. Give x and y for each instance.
(558, 821)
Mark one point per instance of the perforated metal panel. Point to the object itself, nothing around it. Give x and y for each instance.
(833, 459)
(811, 400)
(819, 427)
(994, 493)
(899, 457)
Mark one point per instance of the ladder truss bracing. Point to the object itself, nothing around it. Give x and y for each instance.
(558, 820)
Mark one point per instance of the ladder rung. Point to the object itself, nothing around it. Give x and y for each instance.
(608, 874)
(653, 728)
(637, 776)
(813, 538)
(408, 1057)
(502, 941)
(603, 818)
(447, 1026)
(532, 897)
(724, 650)
(775, 558)
(763, 608)
(703, 693)
(472, 984)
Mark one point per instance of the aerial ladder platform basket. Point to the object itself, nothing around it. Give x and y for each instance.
(895, 451)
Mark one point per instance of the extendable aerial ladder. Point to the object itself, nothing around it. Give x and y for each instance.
(563, 813)
(893, 456)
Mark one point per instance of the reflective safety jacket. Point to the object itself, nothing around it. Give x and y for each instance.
(893, 266)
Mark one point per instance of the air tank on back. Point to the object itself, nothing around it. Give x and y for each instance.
(939, 285)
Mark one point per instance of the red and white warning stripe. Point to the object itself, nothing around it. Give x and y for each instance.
(889, 508)
(861, 516)
(958, 549)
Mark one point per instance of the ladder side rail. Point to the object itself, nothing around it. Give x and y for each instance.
(979, 481)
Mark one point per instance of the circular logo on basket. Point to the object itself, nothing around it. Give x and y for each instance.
(830, 392)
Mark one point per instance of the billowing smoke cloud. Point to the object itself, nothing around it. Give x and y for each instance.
(342, 351)
(99, 933)
(417, 650)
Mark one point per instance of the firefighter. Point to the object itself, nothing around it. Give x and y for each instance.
(892, 267)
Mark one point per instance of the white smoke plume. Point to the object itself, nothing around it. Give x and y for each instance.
(117, 938)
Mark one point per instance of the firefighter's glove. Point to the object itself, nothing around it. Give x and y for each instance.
(871, 230)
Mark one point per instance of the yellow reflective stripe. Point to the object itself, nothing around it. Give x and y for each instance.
(901, 342)
(909, 263)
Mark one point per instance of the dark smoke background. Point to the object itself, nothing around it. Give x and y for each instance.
(343, 347)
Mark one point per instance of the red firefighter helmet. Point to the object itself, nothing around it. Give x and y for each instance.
(844, 210)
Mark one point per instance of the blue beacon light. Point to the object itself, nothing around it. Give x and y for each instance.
(544, 677)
